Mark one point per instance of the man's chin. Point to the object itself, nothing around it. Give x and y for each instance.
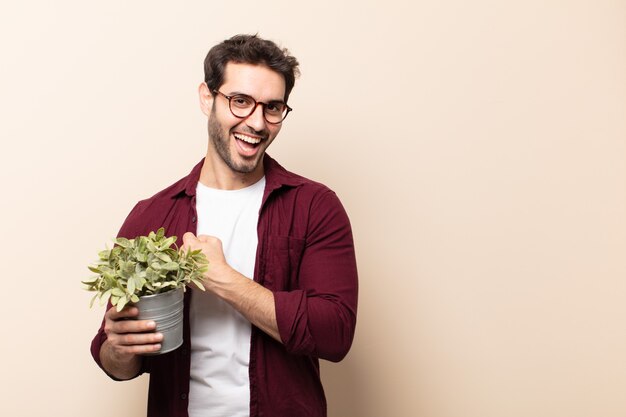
(245, 166)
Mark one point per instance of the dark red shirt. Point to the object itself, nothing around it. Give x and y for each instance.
(305, 256)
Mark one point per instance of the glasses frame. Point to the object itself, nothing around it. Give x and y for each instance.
(253, 109)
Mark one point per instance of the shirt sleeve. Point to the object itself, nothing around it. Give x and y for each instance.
(319, 317)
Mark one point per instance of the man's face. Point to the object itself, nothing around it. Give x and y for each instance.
(241, 143)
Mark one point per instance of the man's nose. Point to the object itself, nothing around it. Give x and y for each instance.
(256, 120)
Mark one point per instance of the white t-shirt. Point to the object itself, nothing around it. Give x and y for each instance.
(220, 337)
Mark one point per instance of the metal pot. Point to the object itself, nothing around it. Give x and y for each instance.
(166, 310)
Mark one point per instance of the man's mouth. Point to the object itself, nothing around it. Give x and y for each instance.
(248, 145)
(248, 139)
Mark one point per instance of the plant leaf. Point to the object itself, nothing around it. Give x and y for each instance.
(117, 292)
(105, 297)
(163, 256)
(123, 242)
(130, 287)
(93, 299)
(198, 283)
(91, 280)
(170, 266)
(94, 269)
(121, 303)
(167, 243)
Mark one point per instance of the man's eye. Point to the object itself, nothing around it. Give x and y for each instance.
(275, 107)
(241, 101)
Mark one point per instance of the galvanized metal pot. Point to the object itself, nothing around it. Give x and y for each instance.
(166, 310)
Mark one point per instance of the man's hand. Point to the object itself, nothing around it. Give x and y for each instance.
(253, 301)
(219, 271)
(126, 340)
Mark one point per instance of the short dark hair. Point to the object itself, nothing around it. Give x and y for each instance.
(249, 49)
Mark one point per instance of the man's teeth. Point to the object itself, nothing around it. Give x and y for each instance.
(247, 139)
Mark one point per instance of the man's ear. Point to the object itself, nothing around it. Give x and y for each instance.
(206, 98)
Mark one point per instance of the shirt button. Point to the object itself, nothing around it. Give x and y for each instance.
(193, 219)
(183, 396)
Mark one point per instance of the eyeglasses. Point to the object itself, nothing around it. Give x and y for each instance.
(242, 106)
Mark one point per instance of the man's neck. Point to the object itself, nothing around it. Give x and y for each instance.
(216, 174)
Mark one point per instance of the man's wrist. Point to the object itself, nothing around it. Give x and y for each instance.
(224, 280)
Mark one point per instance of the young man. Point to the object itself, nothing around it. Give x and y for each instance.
(282, 281)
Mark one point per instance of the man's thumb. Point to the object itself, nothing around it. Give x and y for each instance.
(189, 238)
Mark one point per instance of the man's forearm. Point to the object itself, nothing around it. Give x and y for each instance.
(252, 300)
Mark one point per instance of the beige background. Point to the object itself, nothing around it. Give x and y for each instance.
(479, 148)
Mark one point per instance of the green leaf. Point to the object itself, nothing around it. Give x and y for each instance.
(139, 283)
(106, 269)
(117, 292)
(198, 283)
(130, 288)
(127, 268)
(91, 280)
(93, 299)
(170, 266)
(121, 303)
(163, 257)
(167, 242)
(123, 242)
(94, 269)
(142, 243)
(105, 297)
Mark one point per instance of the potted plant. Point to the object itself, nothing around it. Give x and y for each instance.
(151, 273)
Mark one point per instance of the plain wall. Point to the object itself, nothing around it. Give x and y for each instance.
(479, 148)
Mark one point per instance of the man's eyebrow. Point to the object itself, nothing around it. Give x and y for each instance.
(239, 93)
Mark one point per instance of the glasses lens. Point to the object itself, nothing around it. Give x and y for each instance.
(241, 105)
(275, 111)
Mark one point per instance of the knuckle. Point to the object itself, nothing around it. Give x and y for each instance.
(114, 340)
